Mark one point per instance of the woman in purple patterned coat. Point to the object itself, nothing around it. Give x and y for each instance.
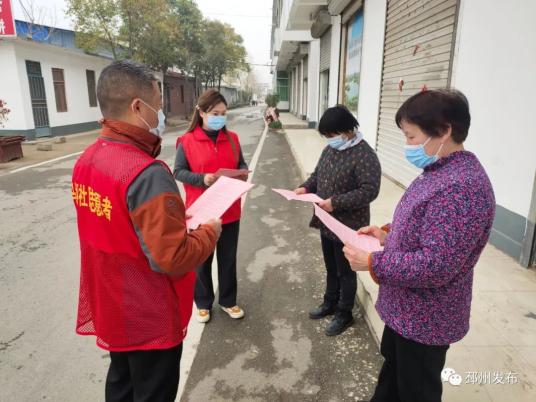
(439, 229)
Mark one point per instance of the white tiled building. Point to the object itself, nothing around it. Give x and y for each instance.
(48, 83)
(372, 55)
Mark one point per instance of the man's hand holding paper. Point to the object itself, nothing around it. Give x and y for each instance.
(216, 226)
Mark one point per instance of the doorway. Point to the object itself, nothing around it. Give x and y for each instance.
(38, 98)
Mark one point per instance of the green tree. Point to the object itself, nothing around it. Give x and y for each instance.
(97, 24)
(151, 29)
(191, 46)
(147, 31)
(161, 34)
(272, 100)
(224, 53)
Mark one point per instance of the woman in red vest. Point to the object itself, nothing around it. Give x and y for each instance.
(206, 147)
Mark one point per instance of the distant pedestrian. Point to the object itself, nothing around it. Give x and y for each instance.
(271, 114)
(439, 230)
(206, 147)
(137, 258)
(347, 177)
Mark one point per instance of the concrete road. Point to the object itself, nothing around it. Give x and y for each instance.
(275, 353)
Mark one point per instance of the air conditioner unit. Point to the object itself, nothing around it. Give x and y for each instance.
(336, 7)
(322, 22)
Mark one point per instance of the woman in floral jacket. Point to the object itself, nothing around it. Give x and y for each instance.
(440, 227)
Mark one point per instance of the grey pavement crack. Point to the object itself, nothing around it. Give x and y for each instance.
(6, 345)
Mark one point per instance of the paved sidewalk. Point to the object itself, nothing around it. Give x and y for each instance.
(292, 122)
(31, 155)
(74, 143)
(501, 345)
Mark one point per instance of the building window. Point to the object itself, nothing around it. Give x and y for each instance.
(282, 86)
(59, 89)
(182, 93)
(352, 63)
(91, 88)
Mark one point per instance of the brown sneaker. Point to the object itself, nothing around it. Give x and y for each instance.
(203, 316)
(234, 312)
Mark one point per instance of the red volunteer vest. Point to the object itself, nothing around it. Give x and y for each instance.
(206, 157)
(122, 300)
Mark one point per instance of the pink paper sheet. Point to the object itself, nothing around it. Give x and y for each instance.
(291, 195)
(347, 235)
(216, 200)
(231, 172)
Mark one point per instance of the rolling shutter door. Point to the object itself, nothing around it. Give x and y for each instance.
(325, 50)
(418, 49)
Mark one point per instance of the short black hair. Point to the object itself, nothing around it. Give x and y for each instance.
(337, 120)
(435, 110)
(119, 83)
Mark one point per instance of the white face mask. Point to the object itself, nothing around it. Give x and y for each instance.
(159, 129)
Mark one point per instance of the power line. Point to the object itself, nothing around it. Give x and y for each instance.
(240, 15)
(262, 65)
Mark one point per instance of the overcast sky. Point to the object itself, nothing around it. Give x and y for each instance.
(251, 18)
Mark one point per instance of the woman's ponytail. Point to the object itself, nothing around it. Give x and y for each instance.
(195, 121)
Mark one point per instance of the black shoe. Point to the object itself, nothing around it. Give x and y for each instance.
(321, 311)
(339, 324)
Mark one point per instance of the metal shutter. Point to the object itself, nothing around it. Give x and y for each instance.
(418, 48)
(325, 50)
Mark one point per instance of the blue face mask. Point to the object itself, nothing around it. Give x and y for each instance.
(337, 142)
(216, 122)
(417, 155)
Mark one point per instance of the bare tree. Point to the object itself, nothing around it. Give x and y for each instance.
(37, 17)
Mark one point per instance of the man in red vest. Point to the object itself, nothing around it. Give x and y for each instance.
(137, 257)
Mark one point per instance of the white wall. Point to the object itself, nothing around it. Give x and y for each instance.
(296, 89)
(299, 87)
(371, 68)
(76, 91)
(494, 66)
(313, 77)
(294, 83)
(290, 90)
(10, 89)
(334, 63)
(230, 95)
(285, 11)
(302, 89)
